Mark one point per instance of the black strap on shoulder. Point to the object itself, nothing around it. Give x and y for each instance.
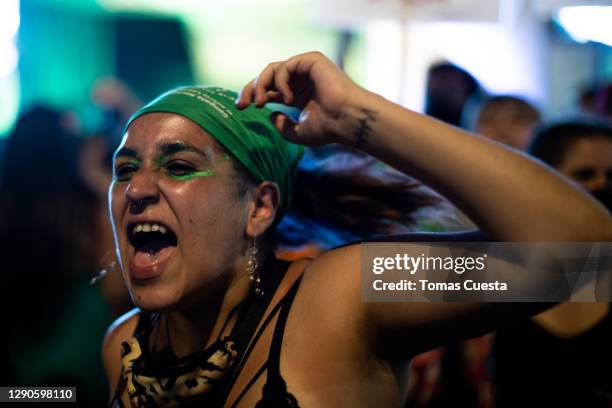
(250, 384)
(247, 353)
(254, 308)
(279, 331)
(274, 384)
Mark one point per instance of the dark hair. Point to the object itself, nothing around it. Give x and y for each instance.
(551, 143)
(342, 195)
(349, 196)
(448, 89)
(602, 101)
(360, 197)
(447, 68)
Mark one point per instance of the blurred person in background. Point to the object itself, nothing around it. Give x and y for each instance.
(53, 319)
(448, 91)
(581, 150)
(562, 357)
(507, 119)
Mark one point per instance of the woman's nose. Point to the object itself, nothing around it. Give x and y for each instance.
(142, 191)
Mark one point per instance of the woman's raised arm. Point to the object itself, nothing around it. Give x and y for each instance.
(508, 195)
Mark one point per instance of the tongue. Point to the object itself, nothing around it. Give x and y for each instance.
(143, 259)
(145, 265)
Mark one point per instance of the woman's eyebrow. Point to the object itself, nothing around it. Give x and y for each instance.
(168, 149)
(126, 152)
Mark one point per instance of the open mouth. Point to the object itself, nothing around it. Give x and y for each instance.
(154, 244)
(150, 237)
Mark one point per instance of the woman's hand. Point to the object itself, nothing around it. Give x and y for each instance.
(311, 83)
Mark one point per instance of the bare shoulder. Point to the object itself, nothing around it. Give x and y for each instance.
(332, 291)
(334, 265)
(118, 332)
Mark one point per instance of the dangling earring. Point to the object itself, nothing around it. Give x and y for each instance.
(101, 274)
(252, 271)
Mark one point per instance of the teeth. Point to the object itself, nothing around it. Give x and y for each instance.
(149, 227)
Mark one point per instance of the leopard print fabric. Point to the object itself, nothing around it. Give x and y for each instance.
(148, 391)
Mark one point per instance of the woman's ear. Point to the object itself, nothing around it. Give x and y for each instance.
(262, 211)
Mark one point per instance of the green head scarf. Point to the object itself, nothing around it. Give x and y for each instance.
(248, 135)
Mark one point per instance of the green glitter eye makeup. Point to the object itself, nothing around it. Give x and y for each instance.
(192, 175)
(176, 160)
(181, 170)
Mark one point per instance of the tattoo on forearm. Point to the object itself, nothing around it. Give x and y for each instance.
(364, 130)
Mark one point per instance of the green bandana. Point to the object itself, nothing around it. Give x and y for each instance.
(248, 135)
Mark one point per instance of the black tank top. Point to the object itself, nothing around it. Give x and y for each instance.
(536, 368)
(245, 336)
